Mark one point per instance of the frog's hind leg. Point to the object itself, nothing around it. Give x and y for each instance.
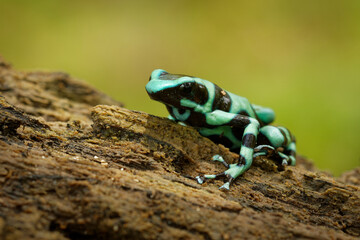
(274, 137)
(265, 115)
(268, 150)
(263, 150)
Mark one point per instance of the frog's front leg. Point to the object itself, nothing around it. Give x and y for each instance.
(174, 119)
(218, 119)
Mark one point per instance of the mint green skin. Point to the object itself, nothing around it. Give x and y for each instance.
(222, 123)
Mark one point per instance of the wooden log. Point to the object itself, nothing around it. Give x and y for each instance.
(73, 170)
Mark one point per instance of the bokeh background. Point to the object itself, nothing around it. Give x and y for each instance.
(299, 57)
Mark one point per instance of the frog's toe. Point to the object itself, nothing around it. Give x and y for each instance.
(288, 160)
(264, 153)
(226, 186)
(220, 159)
(265, 148)
(293, 160)
(200, 179)
(284, 162)
(285, 159)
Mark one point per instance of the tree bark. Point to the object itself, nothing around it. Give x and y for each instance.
(75, 164)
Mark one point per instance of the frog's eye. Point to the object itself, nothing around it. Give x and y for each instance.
(157, 74)
(186, 87)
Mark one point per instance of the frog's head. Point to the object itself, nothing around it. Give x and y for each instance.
(172, 89)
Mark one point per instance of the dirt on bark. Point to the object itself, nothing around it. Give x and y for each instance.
(75, 164)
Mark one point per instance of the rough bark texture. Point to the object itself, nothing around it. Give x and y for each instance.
(69, 170)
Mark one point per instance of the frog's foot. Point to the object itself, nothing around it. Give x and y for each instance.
(263, 150)
(203, 178)
(234, 170)
(286, 159)
(225, 186)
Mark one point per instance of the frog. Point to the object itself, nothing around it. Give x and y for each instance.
(225, 118)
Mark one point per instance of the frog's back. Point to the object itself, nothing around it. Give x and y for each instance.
(220, 99)
(241, 105)
(232, 103)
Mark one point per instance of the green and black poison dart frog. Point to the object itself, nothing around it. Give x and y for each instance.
(223, 117)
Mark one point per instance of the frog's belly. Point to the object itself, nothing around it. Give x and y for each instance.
(225, 135)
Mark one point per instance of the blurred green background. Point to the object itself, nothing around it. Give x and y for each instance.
(300, 58)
